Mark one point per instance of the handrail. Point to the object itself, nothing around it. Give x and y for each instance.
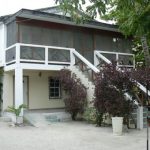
(90, 65)
(142, 88)
(108, 52)
(125, 94)
(103, 57)
(117, 54)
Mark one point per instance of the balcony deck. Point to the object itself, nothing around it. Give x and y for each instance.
(31, 56)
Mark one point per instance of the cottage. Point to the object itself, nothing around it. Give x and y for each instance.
(36, 44)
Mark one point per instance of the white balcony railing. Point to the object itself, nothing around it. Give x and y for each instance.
(122, 59)
(28, 53)
(48, 55)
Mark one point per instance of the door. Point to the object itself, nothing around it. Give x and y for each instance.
(25, 90)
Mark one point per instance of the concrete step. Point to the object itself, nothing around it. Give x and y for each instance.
(44, 119)
(5, 119)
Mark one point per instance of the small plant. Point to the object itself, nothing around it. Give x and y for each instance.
(16, 111)
(90, 115)
(76, 99)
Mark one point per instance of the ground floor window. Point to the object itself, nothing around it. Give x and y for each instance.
(54, 88)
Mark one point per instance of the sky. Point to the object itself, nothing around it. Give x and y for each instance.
(12, 6)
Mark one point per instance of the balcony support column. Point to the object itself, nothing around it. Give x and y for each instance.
(18, 87)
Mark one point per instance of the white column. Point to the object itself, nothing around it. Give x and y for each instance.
(140, 117)
(18, 87)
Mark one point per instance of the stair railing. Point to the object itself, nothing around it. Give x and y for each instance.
(106, 60)
(83, 64)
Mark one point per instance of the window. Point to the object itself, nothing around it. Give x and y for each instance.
(54, 88)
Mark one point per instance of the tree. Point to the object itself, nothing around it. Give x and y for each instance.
(132, 16)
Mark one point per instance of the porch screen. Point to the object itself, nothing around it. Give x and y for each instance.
(59, 55)
(54, 88)
(32, 53)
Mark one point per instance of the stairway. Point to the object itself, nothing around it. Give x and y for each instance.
(85, 81)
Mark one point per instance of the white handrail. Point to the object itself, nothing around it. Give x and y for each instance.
(103, 57)
(115, 53)
(90, 65)
(141, 87)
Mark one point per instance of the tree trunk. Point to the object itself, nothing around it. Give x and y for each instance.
(146, 51)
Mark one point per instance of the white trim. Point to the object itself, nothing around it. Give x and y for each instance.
(128, 66)
(14, 45)
(10, 62)
(59, 62)
(29, 66)
(29, 60)
(44, 46)
(108, 52)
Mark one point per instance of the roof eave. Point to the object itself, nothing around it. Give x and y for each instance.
(48, 17)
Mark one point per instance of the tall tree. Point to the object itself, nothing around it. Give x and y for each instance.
(132, 16)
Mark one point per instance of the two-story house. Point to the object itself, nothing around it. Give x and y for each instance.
(36, 44)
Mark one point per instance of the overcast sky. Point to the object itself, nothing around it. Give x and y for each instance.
(12, 6)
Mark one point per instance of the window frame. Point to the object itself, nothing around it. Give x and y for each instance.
(50, 87)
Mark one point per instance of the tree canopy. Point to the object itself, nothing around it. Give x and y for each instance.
(132, 16)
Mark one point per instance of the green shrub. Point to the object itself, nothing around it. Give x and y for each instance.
(90, 115)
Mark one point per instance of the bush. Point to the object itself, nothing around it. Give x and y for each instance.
(76, 99)
(90, 115)
(110, 86)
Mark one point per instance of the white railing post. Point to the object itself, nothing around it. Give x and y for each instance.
(17, 53)
(140, 117)
(46, 55)
(96, 61)
(72, 57)
(117, 58)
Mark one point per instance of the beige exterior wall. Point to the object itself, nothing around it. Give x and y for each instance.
(7, 90)
(38, 92)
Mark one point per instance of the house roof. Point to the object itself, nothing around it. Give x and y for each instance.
(54, 14)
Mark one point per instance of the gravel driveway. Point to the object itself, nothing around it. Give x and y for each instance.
(69, 136)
